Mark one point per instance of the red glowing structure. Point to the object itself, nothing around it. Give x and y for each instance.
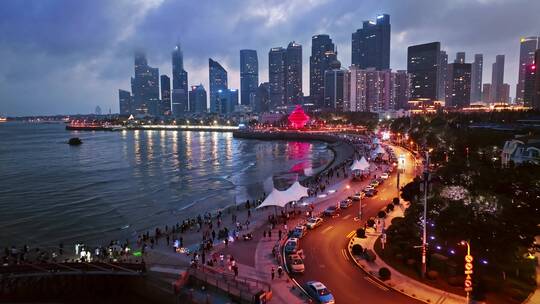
(298, 119)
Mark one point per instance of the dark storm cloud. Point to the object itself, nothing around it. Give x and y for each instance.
(69, 56)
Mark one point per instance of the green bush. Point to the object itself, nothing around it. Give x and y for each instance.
(389, 208)
(370, 223)
(381, 214)
(395, 201)
(360, 233)
(384, 273)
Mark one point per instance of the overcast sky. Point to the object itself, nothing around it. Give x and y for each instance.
(66, 57)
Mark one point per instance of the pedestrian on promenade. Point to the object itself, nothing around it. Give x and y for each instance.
(181, 242)
(264, 233)
(235, 269)
(280, 271)
(222, 260)
(270, 233)
(273, 273)
(279, 234)
(168, 240)
(227, 241)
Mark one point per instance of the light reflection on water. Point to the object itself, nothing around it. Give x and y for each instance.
(52, 192)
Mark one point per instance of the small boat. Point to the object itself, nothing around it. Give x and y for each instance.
(74, 141)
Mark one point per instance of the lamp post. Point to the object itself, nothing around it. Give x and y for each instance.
(424, 221)
(468, 269)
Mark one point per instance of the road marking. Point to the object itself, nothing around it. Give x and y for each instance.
(350, 234)
(441, 299)
(327, 229)
(372, 281)
(344, 254)
(347, 216)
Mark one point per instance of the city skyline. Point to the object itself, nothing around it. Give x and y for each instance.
(74, 64)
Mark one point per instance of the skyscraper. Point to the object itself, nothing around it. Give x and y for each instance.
(217, 81)
(180, 82)
(536, 98)
(476, 77)
(293, 77)
(322, 53)
(334, 88)
(423, 63)
(227, 99)
(403, 89)
(497, 80)
(458, 88)
(460, 57)
(124, 100)
(528, 88)
(249, 76)
(262, 98)
(528, 46)
(371, 44)
(197, 99)
(165, 101)
(145, 86)
(277, 76)
(372, 90)
(486, 93)
(443, 73)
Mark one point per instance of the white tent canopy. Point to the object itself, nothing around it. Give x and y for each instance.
(361, 164)
(379, 150)
(275, 198)
(296, 191)
(282, 198)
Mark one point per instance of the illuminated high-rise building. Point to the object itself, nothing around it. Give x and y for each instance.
(370, 47)
(249, 76)
(322, 54)
(218, 82)
(293, 78)
(423, 64)
(165, 101)
(527, 48)
(277, 76)
(476, 77)
(180, 82)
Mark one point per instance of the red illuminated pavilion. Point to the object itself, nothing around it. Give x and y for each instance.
(298, 119)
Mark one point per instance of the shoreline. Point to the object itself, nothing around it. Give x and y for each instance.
(340, 150)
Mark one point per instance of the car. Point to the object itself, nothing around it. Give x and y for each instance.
(319, 292)
(298, 231)
(358, 196)
(374, 183)
(313, 222)
(368, 188)
(330, 211)
(295, 263)
(385, 175)
(291, 246)
(345, 204)
(371, 193)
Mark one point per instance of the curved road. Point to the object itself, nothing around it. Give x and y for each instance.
(326, 259)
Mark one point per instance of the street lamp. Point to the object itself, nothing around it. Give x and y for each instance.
(468, 269)
(401, 169)
(424, 220)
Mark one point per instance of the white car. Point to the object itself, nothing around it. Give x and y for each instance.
(384, 175)
(368, 188)
(295, 263)
(313, 222)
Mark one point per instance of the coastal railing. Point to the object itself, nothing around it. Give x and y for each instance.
(48, 269)
(242, 287)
